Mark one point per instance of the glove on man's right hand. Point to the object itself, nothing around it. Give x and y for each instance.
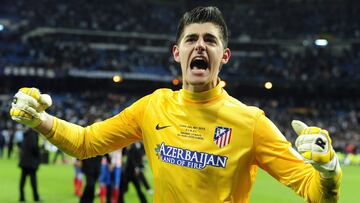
(28, 107)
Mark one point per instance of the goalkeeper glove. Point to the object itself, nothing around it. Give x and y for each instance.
(314, 144)
(28, 107)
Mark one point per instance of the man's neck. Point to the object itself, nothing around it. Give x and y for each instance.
(200, 88)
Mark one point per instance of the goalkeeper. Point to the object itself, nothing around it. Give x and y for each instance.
(202, 144)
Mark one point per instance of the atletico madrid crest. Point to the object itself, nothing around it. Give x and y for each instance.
(222, 136)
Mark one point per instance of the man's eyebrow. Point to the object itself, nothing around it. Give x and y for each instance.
(191, 35)
(209, 35)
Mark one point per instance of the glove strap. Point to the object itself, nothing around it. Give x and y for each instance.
(329, 170)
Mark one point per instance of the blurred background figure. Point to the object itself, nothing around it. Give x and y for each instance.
(78, 178)
(142, 178)
(110, 177)
(10, 143)
(104, 178)
(57, 154)
(2, 143)
(29, 163)
(19, 137)
(116, 160)
(91, 170)
(132, 170)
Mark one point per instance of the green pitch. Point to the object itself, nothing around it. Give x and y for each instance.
(55, 185)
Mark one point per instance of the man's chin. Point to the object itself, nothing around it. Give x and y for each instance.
(198, 85)
(198, 82)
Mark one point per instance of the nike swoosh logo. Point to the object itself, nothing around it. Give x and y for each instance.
(158, 127)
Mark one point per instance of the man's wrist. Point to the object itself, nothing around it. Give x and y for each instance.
(46, 125)
(329, 170)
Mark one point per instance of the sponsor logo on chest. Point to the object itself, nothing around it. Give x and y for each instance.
(189, 158)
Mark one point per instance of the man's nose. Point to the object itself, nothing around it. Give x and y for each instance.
(200, 45)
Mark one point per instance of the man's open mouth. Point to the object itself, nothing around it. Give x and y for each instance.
(199, 63)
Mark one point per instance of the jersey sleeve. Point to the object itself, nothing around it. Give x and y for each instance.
(100, 137)
(274, 154)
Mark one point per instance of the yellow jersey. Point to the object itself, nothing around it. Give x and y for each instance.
(202, 147)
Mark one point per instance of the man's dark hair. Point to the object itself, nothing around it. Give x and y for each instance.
(210, 14)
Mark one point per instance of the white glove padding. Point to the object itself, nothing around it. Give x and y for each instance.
(314, 144)
(28, 106)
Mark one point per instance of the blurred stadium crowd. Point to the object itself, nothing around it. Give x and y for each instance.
(136, 36)
(270, 40)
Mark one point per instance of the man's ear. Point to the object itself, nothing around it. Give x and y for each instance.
(176, 53)
(226, 56)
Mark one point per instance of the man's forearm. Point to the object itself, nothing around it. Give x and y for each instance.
(325, 190)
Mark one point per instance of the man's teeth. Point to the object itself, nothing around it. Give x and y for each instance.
(198, 68)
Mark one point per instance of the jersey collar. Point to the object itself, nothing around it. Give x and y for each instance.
(202, 97)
